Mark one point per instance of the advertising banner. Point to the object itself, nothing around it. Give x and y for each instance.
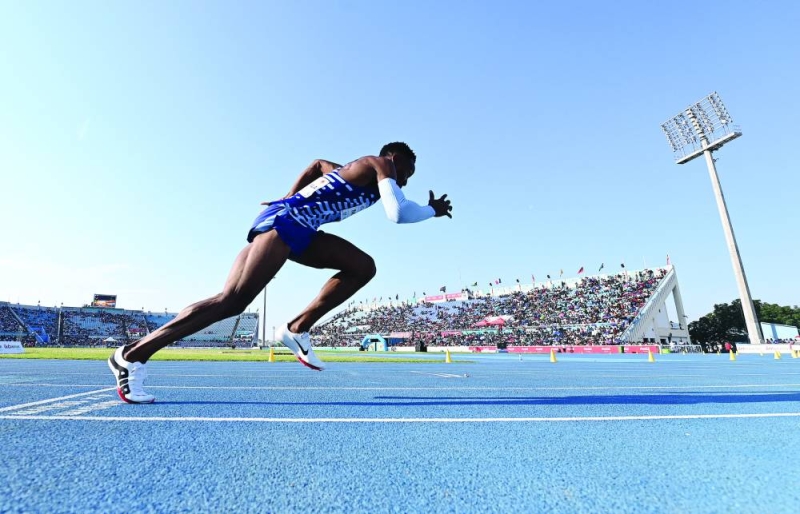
(11, 347)
(444, 297)
(641, 348)
(598, 349)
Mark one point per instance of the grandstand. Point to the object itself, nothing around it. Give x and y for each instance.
(35, 325)
(240, 330)
(616, 309)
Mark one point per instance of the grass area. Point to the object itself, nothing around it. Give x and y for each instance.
(216, 354)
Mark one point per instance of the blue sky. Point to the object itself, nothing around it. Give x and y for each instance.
(138, 139)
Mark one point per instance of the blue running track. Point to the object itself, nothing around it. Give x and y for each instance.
(688, 433)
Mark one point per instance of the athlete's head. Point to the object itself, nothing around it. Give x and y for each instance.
(404, 160)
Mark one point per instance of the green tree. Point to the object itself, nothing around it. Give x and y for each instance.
(726, 321)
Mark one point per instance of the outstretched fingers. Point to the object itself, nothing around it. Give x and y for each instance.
(441, 206)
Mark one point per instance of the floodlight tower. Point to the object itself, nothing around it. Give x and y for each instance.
(700, 130)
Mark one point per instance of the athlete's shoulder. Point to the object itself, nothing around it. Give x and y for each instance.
(370, 160)
(365, 170)
(379, 167)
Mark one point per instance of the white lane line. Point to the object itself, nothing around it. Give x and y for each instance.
(50, 400)
(92, 408)
(268, 375)
(403, 420)
(56, 385)
(237, 375)
(39, 409)
(70, 407)
(398, 388)
(442, 375)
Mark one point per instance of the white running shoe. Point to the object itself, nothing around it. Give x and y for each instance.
(130, 379)
(300, 345)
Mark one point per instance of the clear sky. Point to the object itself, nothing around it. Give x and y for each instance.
(137, 140)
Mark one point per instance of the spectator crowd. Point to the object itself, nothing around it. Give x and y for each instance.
(594, 310)
(97, 326)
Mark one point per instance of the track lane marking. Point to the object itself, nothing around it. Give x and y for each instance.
(441, 375)
(50, 400)
(401, 420)
(399, 388)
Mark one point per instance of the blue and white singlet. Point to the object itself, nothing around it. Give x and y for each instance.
(328, 199)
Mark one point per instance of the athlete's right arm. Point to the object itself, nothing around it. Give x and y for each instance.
(398, 208)
(314, 171)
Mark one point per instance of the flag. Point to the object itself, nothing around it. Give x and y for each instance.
(548, 276)
(475, 284)
(397, 297)
(562, 274)
(498, 281)
(580, 270)
(443, 289)
(667, 259)
(424, 293)
(623, 264)
(517, 281)
(602, 265)
(533, 279)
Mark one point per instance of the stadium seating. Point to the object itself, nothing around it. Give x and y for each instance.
(94, 326)
(591, 310)
(41, 321)
(10, 324)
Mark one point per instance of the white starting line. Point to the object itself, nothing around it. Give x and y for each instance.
(161, 419)
(49, 400)
(399, 388)
(442, 375)
(90, 401)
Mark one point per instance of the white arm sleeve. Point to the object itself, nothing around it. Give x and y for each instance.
(398, 208)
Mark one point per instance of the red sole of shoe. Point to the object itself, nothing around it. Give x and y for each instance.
(122, 397)
(304, 363)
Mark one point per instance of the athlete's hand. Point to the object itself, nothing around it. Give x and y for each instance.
(441, 206)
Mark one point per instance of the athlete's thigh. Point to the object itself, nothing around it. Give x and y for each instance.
(257, 264)
(328, 251)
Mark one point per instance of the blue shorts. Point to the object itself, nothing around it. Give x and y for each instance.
(291, 231)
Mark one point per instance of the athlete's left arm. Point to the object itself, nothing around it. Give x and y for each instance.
(314, 171)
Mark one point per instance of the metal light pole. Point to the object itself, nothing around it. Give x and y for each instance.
(699, 130)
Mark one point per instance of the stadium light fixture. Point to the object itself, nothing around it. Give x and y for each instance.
(701, 129)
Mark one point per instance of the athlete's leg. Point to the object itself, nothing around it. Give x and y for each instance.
(254, 267)
(356, 268)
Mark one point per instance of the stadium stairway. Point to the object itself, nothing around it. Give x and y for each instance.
(645, 321)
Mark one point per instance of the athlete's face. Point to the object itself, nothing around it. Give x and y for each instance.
(405, 167)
